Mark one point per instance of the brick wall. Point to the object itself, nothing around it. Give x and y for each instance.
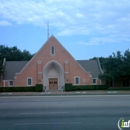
(36, 65)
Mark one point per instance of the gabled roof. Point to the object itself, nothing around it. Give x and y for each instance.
(91, 66)
(12, 67)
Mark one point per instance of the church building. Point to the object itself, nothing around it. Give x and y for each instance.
(53, 66)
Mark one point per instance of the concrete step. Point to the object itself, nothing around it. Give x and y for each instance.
(54, 90)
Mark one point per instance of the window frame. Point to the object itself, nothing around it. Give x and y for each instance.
(78, 80)
(10, 85)
(52, 51)
(28, 81)
(95, 80)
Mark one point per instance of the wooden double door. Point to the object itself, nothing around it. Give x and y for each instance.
(53, 83)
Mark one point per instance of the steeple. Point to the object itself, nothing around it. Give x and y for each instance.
(47, 29)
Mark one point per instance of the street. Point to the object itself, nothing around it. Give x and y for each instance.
(83, 112)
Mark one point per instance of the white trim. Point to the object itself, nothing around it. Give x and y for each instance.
(39, 62)
(4, 82)
(31, 81)
(61, 80)
(43, 47)
(66, 61)
(39, 72)
(75, 80)
(33, 57)
(99, 65)
(52, 61)
(71, 56)
(95, 79)
(9, 83)
(66, 72)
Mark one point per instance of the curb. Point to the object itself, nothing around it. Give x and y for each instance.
(64, 93)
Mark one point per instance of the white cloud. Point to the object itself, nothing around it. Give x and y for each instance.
(73, 17)
(78, 15)
(88, 43)
(5, 23)
(103, 40)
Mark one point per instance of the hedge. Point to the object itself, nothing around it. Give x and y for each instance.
(70, 87)
(37, 88)
(119, 88)
(17, 89)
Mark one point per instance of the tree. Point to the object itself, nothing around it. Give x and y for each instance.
(116, 66)
(27, 55)
(13, 54)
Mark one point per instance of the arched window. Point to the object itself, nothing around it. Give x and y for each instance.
(52, 51)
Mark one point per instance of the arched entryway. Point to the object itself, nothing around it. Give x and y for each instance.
(53, 76)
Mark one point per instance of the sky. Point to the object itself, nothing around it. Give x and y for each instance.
(86, 28)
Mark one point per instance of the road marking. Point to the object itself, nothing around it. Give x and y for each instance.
(3, 93)
(59, 96)
(111, 92)
(44, 113)
(54, 123)
(6, 93)
(43, 93)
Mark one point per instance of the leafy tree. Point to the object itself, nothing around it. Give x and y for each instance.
(13, 54)
(116, 66)
(26, 55)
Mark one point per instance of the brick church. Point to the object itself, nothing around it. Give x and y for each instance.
(53, 66)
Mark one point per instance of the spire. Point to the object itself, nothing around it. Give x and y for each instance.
(48, 29)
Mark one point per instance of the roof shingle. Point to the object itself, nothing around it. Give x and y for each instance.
(91, 66)
(12, 67)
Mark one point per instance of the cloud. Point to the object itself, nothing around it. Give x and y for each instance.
(78, 15)
(95, 41)
(5, 23)
(73, 17)
(88, 43)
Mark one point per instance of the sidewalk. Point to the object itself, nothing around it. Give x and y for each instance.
(65, 93)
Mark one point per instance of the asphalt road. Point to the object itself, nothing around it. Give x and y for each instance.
(63, 112)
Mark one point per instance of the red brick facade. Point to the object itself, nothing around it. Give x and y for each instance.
(61, 61)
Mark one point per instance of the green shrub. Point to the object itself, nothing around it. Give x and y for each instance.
(17, 89)
(39, 88)
(70, 87)
(119, 88)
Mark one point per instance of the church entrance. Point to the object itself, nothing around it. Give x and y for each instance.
(53, 76)
(53, 84)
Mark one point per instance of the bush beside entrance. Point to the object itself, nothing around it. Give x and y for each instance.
(70, 87)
